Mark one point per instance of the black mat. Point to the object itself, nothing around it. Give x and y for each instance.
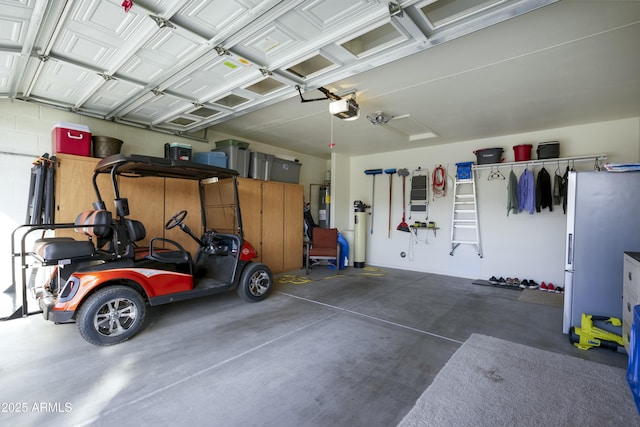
(487, 283)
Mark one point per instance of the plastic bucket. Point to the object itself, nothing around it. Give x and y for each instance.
(488, 155)
(548, 150)
(105, 146)
(522, 152)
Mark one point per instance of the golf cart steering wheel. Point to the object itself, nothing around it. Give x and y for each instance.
(175, 220)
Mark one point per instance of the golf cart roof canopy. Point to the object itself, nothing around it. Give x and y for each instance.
(137, 165)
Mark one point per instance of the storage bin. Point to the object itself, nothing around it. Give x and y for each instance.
(232, 143)
(177, 151)
(260, 165)
(488, 155)
(633, 369)
(522, 152)
(237, 159)
(71, 138)
(548, 150)
(285, 171)
(464, 170)
(211, 158)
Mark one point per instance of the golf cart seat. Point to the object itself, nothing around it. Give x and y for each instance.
(135, 229)
(95, 224)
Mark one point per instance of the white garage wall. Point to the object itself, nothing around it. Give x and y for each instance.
(523, 245)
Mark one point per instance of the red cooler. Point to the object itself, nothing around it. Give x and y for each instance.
(71, 138)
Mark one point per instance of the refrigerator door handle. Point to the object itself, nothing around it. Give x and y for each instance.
(570, 249)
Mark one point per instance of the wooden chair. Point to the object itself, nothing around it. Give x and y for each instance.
(324, 246)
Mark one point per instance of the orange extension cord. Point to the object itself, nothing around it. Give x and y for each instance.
(439, 182)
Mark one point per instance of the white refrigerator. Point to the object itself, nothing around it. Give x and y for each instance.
(603, 221)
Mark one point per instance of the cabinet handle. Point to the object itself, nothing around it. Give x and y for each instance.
(629, 307)
(630, 276)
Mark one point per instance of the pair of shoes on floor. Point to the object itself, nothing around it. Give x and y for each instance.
(528, 284)
(513, 282)
(549, 287)
(500, 282)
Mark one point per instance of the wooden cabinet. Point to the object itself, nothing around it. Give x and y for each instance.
(152, 201)
(272, 218)
(630, 293)
(272, 212)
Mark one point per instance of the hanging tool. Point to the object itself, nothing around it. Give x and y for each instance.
(439, 182)
(390, 172)
(36, 190)
(403, 226)
(373, 172)
(49, 191)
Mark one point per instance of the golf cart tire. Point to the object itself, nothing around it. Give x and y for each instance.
(255, 283)
(131, 309)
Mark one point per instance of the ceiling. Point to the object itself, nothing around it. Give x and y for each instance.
(442, 71)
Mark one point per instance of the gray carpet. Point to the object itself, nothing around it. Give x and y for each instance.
(537, 296)
(493, 382)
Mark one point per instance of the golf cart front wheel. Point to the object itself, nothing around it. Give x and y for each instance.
(255, 283)
(111, 315)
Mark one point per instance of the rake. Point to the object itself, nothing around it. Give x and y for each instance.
(390, 172)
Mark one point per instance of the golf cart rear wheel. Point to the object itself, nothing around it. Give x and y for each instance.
(111, 315)
(255, 283)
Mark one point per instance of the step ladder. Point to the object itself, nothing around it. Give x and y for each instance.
(464, 221)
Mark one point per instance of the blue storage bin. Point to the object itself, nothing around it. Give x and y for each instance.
(211, 158)
(633, 370)
(464, 170)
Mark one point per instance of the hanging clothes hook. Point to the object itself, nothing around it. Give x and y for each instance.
(495, 174)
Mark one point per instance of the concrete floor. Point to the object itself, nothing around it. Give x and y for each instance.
(352, 350)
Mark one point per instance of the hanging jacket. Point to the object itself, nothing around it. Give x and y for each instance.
(565, 186)
(544, 198)
(526, 192)
(512, 194)
(557, 188)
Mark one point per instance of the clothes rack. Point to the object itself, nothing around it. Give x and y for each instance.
(597, 158)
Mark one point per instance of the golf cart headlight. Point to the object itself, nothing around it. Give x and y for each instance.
(69, 289)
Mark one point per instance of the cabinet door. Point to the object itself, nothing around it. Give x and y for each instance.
(273, 225)
(74, 189)
(182, 194)
(146, 204)
(250, 195)
(293, 226)
(220, 206)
